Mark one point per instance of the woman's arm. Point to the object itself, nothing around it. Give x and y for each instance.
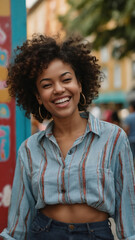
(125, 192)
(22, 207)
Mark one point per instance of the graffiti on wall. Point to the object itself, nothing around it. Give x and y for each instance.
(4, 96)
(3, 36)
(4, 142)
(7, 116)
(3, 57)
(5, 196)
(4, 111)
(5, 48)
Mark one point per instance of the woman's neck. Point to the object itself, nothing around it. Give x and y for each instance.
(69, 126)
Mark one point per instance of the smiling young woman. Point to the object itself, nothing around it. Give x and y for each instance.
(78, 172)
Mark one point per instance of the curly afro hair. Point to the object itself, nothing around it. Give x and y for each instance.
(35, 55)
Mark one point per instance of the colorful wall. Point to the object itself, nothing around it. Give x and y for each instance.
(14, 127)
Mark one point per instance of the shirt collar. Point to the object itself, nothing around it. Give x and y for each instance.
(93, 123)
(92, 126)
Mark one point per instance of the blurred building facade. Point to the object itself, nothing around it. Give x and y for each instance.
(119, 74)
(43, 17)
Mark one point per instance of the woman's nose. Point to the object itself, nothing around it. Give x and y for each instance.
(58, 88)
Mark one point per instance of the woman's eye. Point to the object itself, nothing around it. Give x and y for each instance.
(46, 85)
(67, 80)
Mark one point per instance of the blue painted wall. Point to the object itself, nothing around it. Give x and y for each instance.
(18, 23)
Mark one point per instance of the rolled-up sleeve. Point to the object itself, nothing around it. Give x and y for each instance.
(125, 192)
(22, 206)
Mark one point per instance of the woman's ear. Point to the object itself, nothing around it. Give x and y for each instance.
(38, 98)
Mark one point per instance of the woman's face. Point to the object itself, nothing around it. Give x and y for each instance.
(58, 89)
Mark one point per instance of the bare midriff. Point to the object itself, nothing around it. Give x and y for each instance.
(75, 213)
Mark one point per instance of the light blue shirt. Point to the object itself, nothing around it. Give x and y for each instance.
(98, 170)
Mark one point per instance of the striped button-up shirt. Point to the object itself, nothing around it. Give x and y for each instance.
(98, 170)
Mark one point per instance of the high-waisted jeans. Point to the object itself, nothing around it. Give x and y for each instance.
(44, 228)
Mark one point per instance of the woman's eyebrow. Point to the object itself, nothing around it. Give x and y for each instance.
(45, 79)
(63, 74)
(49, 79)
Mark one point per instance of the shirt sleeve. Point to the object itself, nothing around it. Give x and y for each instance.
(22, 206)
(125, 192)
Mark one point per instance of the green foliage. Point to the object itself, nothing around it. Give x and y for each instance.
(91, 17)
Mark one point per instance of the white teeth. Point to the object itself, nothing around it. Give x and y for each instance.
(62, 100)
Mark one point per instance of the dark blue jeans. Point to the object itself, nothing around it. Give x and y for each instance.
(44, 228)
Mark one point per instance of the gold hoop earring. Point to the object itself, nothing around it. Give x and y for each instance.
(39, 110)
(84, 99)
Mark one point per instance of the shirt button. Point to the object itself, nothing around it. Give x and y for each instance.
(70, 152)
(63, 190)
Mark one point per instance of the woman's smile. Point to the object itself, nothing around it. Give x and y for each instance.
(62, 102)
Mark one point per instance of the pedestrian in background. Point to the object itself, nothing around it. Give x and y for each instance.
(74, 175)
(115, 118)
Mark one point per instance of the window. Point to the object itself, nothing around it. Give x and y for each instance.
(105, 83)
(117, 76)
(104, 54)
(133, 69)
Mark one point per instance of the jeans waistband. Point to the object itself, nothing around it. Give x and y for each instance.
(92, 226)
